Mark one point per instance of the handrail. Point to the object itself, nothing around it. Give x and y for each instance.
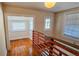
(47, 46)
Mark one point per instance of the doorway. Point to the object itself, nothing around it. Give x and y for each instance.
(20, 35)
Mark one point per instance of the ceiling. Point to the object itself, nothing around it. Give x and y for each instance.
(40, 5)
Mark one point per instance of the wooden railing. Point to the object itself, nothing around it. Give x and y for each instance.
(46, 46)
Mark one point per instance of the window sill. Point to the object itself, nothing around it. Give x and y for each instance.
(68, 39)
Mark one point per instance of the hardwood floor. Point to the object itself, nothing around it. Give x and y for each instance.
(20, 47)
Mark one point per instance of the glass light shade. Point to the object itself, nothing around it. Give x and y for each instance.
(49, 4)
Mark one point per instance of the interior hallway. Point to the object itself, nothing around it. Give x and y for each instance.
(61, 23)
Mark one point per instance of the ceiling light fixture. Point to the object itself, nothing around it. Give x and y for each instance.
(49, 4)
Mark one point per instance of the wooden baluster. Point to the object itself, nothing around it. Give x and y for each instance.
(60, 54)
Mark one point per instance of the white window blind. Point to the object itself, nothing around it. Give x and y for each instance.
(20, 23)
(16, 23)
(71, 27)
(18, 26)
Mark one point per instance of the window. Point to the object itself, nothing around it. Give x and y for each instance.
(20, 23)
(18, 26)
(31, 25)
(16, 23)
(71, 27)
(29, 21)
(47, 22)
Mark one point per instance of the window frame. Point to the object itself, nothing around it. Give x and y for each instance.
(45, 23)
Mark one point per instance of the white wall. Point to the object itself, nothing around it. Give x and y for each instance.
(38, 15)
(3, 51)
